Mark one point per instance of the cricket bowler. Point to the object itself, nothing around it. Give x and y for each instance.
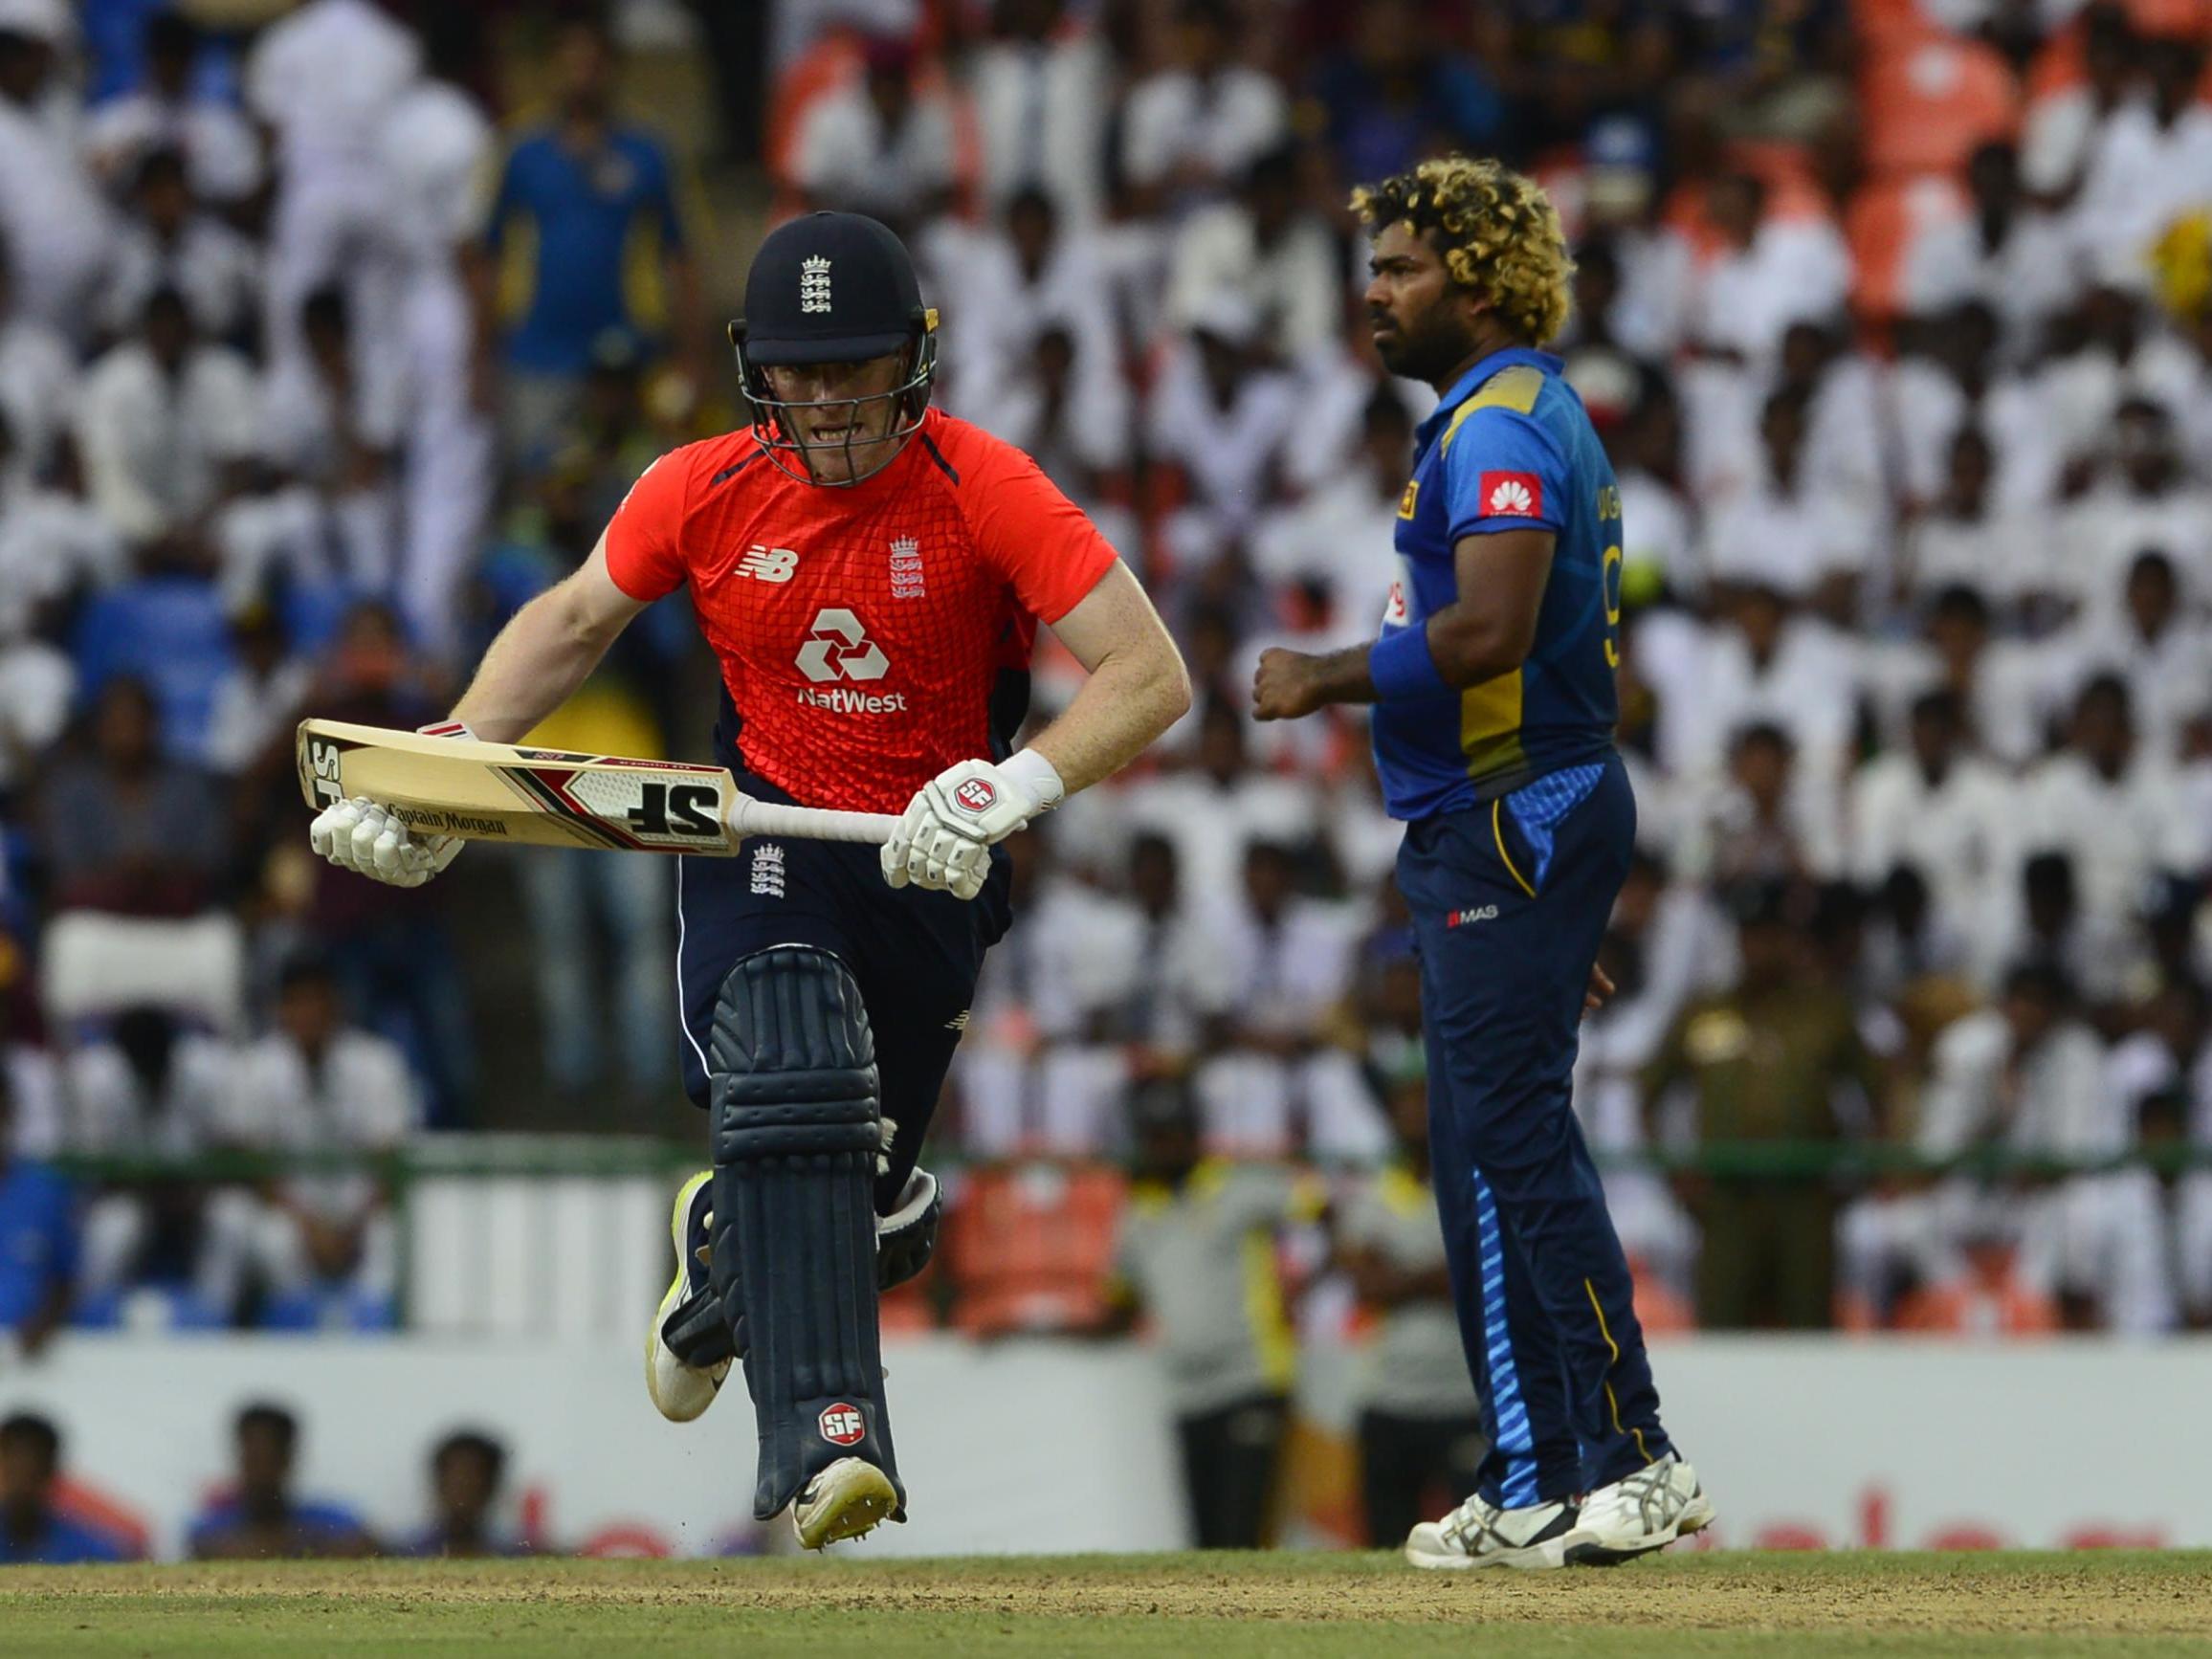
(869, 572)
(1494, 707)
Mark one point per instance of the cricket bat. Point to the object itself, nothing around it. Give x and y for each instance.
(553, 798)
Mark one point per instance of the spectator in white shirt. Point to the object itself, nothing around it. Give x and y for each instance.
(40, 382)
(1955, 378)
(1937, 810)
(2063, 127)
(1002, 295)
(324, 79)
(1768, 273)
(1770, 821)
(439, 149)
(879, 145)
(2163, 654)
(1963, 541)
(1787, 532)
(2005, 253)
(1341, 537)
(1287, 963)
(260, 700)
(2107, 804)
(37, 685)
(1189, 131)
(2150, 160)
(167, 243)
(1264, 245)
(57, 223)
(1224, 418)
(53, 546)
(1042, 92)
(2147, 500)
(1763, 664)
(164, 424)
(2030, 1077)
(155, 1091)
(314, 1085)
(220, 146)
(1213, 810)
(2121, 356)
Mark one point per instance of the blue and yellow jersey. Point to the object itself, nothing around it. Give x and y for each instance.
(1510, 448)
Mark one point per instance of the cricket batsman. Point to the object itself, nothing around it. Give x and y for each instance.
(1493, 681)
(871, 573)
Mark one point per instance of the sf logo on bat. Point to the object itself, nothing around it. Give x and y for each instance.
(675, 811)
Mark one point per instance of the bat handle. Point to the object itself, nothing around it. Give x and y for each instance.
(750, 817)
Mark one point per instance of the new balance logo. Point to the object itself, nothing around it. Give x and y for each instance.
(768, 563)
(1464, 917)
(840, 649)
(815, 284)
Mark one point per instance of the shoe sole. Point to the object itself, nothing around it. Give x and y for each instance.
(846, 1501)
(677, 1230)
(1697, 1515)
(1537, 1557)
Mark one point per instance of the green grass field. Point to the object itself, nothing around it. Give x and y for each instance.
(1184, 1605)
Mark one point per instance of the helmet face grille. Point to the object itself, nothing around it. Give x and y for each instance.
(776, 421)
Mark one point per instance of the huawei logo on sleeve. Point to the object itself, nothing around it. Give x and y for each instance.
(1512, 495)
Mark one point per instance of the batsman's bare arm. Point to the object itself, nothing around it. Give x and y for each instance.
(1136, 686)
(1487, 631)
(545, 651)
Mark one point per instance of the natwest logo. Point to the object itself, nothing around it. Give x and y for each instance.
(844, 699)
(840, 649)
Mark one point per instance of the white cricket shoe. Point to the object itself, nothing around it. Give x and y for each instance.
(1642, 1512)
(1478, 1534)
(849, 1498)
(682, 1392)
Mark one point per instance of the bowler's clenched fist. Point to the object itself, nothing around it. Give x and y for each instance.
(1286, 686)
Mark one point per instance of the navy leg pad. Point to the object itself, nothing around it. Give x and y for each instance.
(796, 1133)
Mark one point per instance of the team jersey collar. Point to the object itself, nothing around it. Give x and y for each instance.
(1471, 382)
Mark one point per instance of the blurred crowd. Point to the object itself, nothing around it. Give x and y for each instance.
(258, 1511)
(328, 340)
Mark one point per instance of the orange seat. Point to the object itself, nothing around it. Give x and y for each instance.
(2171, 19)
(1929, 104)
(1659, 1309)
(1884, 23)
(1965, 1307)
(1030, 1248)
(1793, 194)
(1882, 226)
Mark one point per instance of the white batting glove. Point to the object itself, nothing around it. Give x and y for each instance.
(945, 839)
(361, 836)
(367, 839)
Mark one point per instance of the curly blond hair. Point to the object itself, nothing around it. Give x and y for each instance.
(1497, 230)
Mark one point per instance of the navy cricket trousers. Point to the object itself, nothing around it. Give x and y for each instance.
(915, 954)
(1510, 901)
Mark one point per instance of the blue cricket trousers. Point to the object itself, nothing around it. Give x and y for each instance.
(1510, 902)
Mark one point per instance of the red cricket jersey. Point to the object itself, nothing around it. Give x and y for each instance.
(863, 630)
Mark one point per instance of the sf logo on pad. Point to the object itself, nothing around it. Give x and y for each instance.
(842, 1425)
(976, 795)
